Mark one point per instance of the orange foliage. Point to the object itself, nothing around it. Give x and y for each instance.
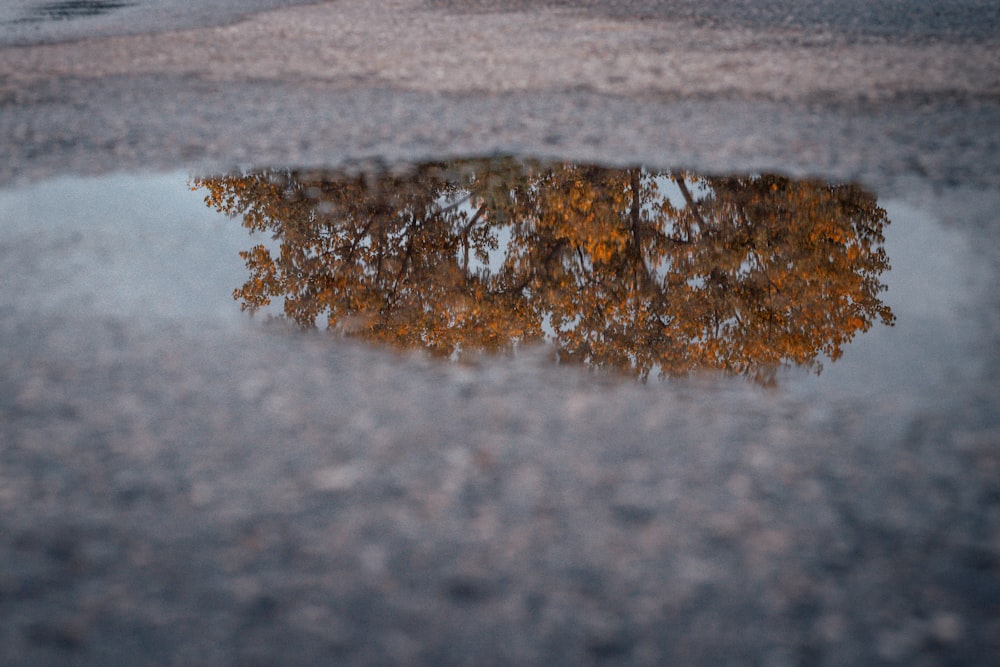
(643, 270)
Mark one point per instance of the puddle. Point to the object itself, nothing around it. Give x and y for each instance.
(656, 274)
(70, 9)
(29, 22)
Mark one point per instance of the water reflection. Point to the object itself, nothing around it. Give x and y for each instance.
(653, 272)
(70, 9)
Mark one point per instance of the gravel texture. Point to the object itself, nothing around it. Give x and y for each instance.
(181, 491)
(247, 498)
(408, 79)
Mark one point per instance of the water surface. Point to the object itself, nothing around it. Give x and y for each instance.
(654, 273)
(24, 22)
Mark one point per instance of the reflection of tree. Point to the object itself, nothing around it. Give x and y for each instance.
(644, 270)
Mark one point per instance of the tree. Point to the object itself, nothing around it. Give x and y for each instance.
(632, 268)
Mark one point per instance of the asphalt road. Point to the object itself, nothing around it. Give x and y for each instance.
(196, 490)
(328, 83)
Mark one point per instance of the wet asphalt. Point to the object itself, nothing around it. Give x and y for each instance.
(190, 490)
